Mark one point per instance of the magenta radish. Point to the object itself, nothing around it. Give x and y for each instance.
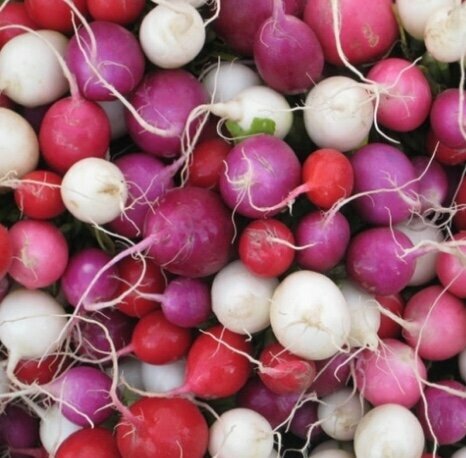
(105, 51)
(394, 366)
(405, 95)
(450, 266)
(338, 113)
(304, 422)
(376, 260)
(389, 429)
(343, 30)
(36, 50)
(287, 53)
(79, 274)
(321, 240)
(164, 99)
(309, 315)
(147, 179)
(241, 299)
(432, 314)
(332, 374)
(240, 432)
(20, 146)
(225, 81)
(94, 190)
(172, 34)
(32, 242)
(32, 324)
(386, 184)
(260, 172)
(443, 414)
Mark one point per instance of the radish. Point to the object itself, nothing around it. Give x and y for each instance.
(161, 378)
(6, 252)
(339, 414)
(390, 430)
(332, 374)
(172, 34)
(32, 323)
(241, 300)
(105, 51)
(4, 386)
(94, 190)
(19, 145)
(338, 113)
(226, 80)
(122, 12)
(14, 13)
(414, 14)
(388, 327)
(332, 453)
(304, 422)
(38, 50)
(240, 432)
(151, 430)
(309, 315)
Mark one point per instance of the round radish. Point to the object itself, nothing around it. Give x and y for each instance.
(161, 378)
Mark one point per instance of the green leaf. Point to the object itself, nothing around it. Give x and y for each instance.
(258, 126)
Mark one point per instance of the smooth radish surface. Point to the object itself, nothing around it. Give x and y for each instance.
(390, 430)
(94, 190)
(6, 251)
(113, 52)
(172, 34)
(332, 374)
(13, 14)
(19, 145)
(240, 432)
(309, 315)
(338, 113)
(152, 431)
(33, 50)
(395, 304)
(161, 378)
(19, 428)
(32, 242)
(32, 323)
(241, 299)
(120, 11)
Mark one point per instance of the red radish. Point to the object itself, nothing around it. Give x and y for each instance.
(118, 11)
(266, 247)
(73, 129)
(157, 341)
(287, 52)
(162, 427)
(38, 195)
(392, 374)
(40, 371)
(103, 55)
(32, 242)
(362, 37)
(14, 13)
(96, 442)
(395, 304)
(147, 277)
(451, 268)
(405, 95)
(54, 14)
(284, 372)
(444, 154)
(6, 251)
(432, 314)
(207, 163)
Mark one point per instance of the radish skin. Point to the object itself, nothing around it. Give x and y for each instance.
(162, 378)
(309, 315)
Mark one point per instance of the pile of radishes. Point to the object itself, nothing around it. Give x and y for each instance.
(233, 228)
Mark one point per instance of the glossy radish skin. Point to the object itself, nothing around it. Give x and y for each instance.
(6, 251)
(120, 11)
(163, 427)
(18, 428)
(117, 57)
(14, 13)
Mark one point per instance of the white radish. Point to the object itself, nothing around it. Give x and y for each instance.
(241, 300)
(259, 102)
(414, 14)
(340, 413)
(241, 432)
(421, 234)
(340, 449)
(31, 322)
(94, 190)
(309, 315)
(19, 146)
(130, 371)
(461, 453)
(445, 34)
(172, 35)
(30, 73)
(226, 80)
(365, 315)
(55, 428)
(338, 113)
(162, 378)
(332, 453)
(389, 431)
